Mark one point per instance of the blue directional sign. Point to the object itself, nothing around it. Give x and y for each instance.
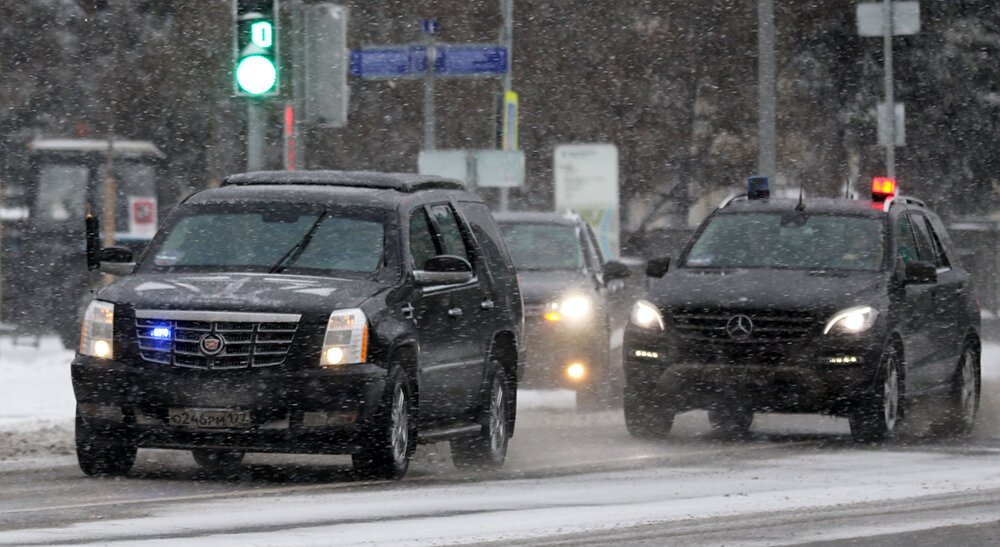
(471, 60)
(451, 61)
(389, 62)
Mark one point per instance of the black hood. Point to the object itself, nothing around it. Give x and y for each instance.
(240, 292)
(766, 288)
(543, 286)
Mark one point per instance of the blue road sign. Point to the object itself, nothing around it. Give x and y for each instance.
(389, 62)
(411, 61)
(471, 60)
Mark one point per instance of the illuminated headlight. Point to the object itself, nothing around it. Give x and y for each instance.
(645, 315)
(98, 330)
(346, 339)
(574, 307)
(852, 320)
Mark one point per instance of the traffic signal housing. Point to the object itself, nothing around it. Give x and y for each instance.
(256, 47)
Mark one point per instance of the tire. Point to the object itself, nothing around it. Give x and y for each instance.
(101, 453)
(878, 416)
(393, 436)
(644, 418)
(218, 461)
(962, 400)
(731, 420)
(488, 450)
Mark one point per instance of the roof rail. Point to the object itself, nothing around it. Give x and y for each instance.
(402, 182)
(737, 196)
(908, 200)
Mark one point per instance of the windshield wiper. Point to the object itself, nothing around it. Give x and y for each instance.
(295, 252)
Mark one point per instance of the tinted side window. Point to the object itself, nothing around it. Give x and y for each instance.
(451, 234)
(924, 246)
(421, 240)
(487, 233)
(906, 245)
(940, 253)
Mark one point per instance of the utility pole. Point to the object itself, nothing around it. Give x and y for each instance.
(890, 107)
(507, 41)
(766, 153)
(429, 29)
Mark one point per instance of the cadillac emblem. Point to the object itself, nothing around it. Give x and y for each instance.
(211, 344)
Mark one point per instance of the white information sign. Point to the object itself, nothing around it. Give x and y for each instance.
(586, 181)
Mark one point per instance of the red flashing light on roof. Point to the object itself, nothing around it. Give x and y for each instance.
(883, 188)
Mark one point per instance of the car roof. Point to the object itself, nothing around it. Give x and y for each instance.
(537, 217)
(402, 182)
(336, 188)
(811, 205)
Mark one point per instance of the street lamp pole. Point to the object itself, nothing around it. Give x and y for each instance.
(889, 118)
(767, 141)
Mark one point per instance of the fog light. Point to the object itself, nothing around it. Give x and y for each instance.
(646, 354)
(334, 355)
(552, 316)
(575, 371)
(844, 360)
(102, 348)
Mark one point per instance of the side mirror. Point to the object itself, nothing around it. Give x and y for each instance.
(116, 260)
(615, 270)
(920, 273)
(657, 267)
(444, 270)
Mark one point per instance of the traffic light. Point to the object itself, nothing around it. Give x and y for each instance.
(256, 47)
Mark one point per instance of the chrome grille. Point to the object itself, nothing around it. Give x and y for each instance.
(769, 326)
(170, 337)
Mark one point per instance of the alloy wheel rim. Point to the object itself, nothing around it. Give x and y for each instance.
(400, 433)
(968, 395)
(498, 417)
(890, 405)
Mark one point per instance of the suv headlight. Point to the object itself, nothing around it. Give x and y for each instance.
(573, 308)
(346, 339)
(645, 315)
(98, 330)
(852, 320)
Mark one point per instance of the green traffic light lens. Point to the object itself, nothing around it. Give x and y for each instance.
(256, 74)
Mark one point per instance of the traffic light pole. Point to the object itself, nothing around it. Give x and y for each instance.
(256, 126)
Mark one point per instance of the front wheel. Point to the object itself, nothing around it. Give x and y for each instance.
(644, 418)
(102, 453)
(962, 402)
(393, 437)
(488, 450)
(878, 415)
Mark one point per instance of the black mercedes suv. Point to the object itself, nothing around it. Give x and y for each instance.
(309, 312)
(844, 307)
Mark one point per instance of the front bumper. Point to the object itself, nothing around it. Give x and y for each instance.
(827, 375)
(308, 411)
(552, 347)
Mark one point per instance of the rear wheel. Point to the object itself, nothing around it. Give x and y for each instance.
(877, 417)
(393, 437)
(218, 460)
(488, 450)
(102, 453)
(645, 418)
(731, 420)
(962, 401)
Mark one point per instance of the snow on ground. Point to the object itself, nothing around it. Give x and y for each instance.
(37, 403)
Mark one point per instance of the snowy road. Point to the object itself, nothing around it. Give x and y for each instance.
(571, 479)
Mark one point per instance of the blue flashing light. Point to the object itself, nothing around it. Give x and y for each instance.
(160, 332)
(757, 187)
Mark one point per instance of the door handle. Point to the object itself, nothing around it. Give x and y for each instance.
(454, 312)
(487, 304)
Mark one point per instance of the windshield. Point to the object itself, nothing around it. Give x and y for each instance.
(269, 239)
(797, 241)
(543, 246)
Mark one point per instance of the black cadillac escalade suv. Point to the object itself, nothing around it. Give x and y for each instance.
(853, 308)
(311, 312)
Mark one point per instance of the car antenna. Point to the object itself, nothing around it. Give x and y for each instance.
(801, 205)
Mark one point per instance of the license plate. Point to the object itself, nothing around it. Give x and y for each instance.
(209, 418)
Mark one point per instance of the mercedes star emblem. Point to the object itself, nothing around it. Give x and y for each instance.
(739, 327)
